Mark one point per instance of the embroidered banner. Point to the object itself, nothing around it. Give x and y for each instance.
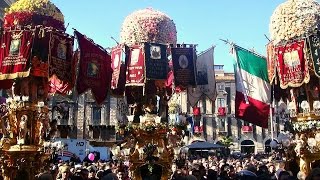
(95, 69)
(183, 66)
(64, 87)
(156, 61)
(40, 52)
(271, 62)
(135, 70)
(60, 54)
(206, 82)
(119, 60)
(293, 67)
(314, 50)
(15, 54)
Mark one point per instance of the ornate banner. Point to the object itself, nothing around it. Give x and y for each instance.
(183, 66)
(119, 66)
(271, 62)
(293, 67)
(61, 63)
(135, 70)
(15, 54)
(156, 61)
(40, 52)
(60, 56)
(95, 69)
(314, 50)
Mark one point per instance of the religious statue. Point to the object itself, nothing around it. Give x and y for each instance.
(24, 133)
(150, 107)
(44, 126)
(53, 129)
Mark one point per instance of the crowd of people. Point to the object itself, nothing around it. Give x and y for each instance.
(255, 167)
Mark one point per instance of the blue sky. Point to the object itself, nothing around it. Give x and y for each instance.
(201, 22)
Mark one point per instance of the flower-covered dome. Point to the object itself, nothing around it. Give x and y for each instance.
(148, 25)
(34, 12)
(294, 18)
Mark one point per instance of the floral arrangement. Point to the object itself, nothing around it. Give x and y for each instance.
(306, 126)
(173, 104)
(34, 12)
(161, 128)
(148, 25)
(294, 19)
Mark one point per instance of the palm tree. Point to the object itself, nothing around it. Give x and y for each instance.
(227, 141)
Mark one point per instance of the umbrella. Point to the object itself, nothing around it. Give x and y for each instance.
(204, 145)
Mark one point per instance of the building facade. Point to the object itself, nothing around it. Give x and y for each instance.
(4, 4)
(218, 119)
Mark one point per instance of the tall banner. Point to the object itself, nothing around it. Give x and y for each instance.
(40, 52)
(313, 45)
(206, 83)
(293, 67)
(183, 66)
(271, 61)
(253, 91)
(136, 66)
(156, 61)
(95, 69)
(119, 67)
(15, 54)
(61, 62)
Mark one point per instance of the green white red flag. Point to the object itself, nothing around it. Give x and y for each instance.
(253, 89)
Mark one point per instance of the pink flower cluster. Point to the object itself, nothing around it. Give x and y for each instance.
(148, 25)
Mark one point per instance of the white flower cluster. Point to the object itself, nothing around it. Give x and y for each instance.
(293, 19)
(306, 126)
(42, 7)
(148, 25)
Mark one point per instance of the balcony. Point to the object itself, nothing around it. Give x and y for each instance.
(196, 111)
(247, 129)
(198, 129)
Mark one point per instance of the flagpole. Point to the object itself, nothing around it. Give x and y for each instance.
(271, 120)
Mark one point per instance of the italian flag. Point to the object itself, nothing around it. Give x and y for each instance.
(253, 90)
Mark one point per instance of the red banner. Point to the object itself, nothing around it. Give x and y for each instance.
(95, 69)
(119, 67)
(222, 111)
(15, 54)
(271, 62)
(247, 129)
(293, 67)
(196, 111)
(61, 63)
(136, 67)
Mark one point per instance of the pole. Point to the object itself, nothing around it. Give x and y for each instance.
(271, 121)
(272, 104)
(84, 116)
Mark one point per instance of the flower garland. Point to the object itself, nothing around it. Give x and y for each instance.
(160, 128)
(34, 12)
(306, 126)
(148, 25)
(294, 19)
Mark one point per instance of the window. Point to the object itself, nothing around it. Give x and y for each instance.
(245, 123)
(220, 87)
(222, 124)
(221, 102)
(96, 115)
(218, 67)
